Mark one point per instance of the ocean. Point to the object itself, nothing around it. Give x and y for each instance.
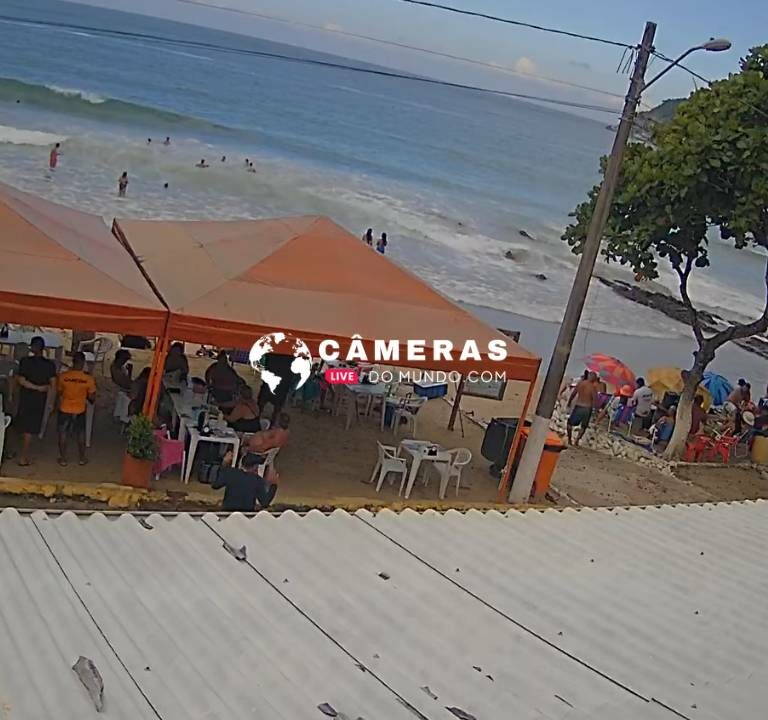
(453, 176)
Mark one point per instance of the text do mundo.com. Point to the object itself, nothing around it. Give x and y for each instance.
(351, 376)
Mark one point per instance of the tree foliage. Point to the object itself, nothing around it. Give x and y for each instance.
(706, 168)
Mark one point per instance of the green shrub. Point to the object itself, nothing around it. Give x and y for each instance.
(142, 443)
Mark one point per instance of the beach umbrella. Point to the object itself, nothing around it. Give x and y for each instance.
(719, 387)
(670, 379)
(614, 373)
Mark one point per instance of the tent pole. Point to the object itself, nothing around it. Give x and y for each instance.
(156, 374)
(456, 403)
(506, 476)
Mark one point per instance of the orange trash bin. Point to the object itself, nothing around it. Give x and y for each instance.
(553, 446)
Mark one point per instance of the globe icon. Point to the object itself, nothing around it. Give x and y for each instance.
(279, 343)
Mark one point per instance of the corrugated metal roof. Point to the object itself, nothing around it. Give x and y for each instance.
(599, 614)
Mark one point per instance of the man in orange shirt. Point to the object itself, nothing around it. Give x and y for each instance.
(76, 389)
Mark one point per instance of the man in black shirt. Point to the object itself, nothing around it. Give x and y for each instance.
(279, 365)
(243, 487)
(35, 378)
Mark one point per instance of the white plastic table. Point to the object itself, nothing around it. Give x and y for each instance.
(222, 437)
(186, 407)
(417, 449)
(370, 391)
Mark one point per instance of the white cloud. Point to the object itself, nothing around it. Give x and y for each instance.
(525, 65)
(332, 26)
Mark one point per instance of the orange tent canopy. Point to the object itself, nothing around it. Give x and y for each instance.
(228, 283)
(62, 268)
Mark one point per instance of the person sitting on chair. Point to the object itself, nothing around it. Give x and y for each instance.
(244, 417)
(223, 381)
(176, 362)
(76, 389)
(698, 416)
(244, 486)
(275, 437)
(139, 389)
(120, 370)
(665, 426)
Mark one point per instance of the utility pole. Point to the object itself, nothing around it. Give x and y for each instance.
(529, 462)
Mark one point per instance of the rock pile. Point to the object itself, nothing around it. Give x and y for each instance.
(600, 441)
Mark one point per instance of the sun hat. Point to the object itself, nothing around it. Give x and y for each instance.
(748, 418)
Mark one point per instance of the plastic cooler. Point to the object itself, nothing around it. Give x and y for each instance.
(430, 390)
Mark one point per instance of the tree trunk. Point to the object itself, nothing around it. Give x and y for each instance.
(684, 416)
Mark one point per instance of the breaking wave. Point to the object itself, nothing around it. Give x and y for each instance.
(81, 103)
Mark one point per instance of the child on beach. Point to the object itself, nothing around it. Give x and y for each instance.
(122, 185)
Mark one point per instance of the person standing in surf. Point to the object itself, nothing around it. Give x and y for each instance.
(122, 185)
(381, 245)
(368, 237)
(53, 158)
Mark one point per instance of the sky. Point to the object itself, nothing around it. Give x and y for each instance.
(525, 60)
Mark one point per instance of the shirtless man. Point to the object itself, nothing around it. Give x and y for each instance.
(585, 394)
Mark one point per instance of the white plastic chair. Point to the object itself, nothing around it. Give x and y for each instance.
(269, 461)
(408, 408)
(5, 421)
(122, 403)
(101, 347)
(460, 458)
(388, 462)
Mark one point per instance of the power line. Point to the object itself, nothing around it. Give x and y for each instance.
(310, 61)
(708, 82)
(393, 43)
(519, 23)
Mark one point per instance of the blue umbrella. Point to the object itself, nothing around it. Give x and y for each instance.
(719, 387)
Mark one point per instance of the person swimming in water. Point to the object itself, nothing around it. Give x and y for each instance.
(223, 158)
(247, 163)
(53, 158)
(122, 185)
(149, 141)
(381, 245)
(202, 164)
(165, 186)
(251, 169)
(167, 141)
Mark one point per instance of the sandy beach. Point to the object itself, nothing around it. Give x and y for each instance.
(325, 465)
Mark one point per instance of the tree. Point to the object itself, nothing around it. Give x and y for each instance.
(705, 169)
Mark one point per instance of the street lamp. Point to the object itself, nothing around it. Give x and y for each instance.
(712, 45)
(529, 460)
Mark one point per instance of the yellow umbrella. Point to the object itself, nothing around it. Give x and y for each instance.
(670, 379)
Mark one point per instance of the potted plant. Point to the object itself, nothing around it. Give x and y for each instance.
(140, 453)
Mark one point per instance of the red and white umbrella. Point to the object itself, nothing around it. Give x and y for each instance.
(612, 371)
